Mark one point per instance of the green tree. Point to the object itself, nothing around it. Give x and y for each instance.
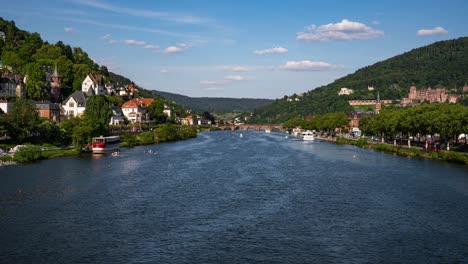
(22, 120)
(155, 110)
(36, 86)
(98, 114)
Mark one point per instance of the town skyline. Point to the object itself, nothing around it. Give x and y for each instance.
(254, 50)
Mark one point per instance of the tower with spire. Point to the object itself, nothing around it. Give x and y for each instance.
(378, 105)
(55, 84)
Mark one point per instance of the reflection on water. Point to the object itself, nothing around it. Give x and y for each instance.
(221, 198)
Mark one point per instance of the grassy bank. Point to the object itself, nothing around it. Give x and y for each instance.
(449, 156)
(163, 133)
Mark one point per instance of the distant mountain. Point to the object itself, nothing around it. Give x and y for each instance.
(216, 105)
(442, 63)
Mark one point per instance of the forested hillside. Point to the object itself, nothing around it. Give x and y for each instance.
(216, 105)
(26, 53)
(443, 63)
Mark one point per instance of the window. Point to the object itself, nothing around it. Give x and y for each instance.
(71, 113)
(71, 104)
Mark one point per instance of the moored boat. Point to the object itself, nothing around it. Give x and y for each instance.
(307, 136)
(106, 144)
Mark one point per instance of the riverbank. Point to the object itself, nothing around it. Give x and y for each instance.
(164, 133)
(448, 156)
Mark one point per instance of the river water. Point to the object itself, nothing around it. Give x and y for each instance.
(220, 198)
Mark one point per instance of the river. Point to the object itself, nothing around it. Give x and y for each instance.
(220, 198)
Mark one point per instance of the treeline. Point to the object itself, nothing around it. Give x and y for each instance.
(447, 120)
(217, 105)
(323, 123)
(161, 133)
(442, 63)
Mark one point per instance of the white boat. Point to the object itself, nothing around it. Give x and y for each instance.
(241, 135)
(106, 144)
(307, 136)
(267, 130)
(296, 132)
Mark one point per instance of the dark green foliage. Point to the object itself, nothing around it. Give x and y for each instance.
(155, 110)
(36, 85)
(28, 153)
(442, 63)
(448, 120)
(145, 138)
(186, 132)
(98, 114)
(166, 132)
(129, 140)
(22, 120)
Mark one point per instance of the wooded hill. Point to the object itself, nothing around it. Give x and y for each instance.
(216, 105)
(26, 53)
(442, 63)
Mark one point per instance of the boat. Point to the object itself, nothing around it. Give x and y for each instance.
(307, 136)
(105, 144)
(267, 130)
(241, 135)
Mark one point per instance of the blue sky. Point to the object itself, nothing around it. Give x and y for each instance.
(248, 49)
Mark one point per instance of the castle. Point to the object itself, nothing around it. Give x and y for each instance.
(431, 95)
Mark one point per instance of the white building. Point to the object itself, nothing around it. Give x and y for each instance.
(345, 91)
(93, 84)
(117, 116)
(5, 106)
(75, 104)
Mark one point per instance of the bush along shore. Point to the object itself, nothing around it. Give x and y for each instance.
(449, 156)
(163, 133)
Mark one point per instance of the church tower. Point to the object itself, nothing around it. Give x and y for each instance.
(378, 105)
(55, 84)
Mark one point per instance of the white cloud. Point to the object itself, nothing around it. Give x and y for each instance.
(167, 16)
(344, 30)
(234, 78)
(179, 48)
(214, 89)
(272, 50)
(173, 49)
(208, 82)
(134, 42)
(376, 22)
(164, 71)
(70, 30)
(434, 31)
(107, 36)
(307, 65)
(113, 41)
(235, 68)
(151, 47)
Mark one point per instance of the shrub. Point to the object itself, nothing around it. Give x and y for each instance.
(28, 153)
(146, 138)
(129, 140)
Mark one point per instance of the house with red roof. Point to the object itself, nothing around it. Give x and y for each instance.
(135, 109)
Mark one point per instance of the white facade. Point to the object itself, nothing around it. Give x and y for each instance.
(72, 108)
(167, 112)
(90, 83)
(5, 106)
(345, 91)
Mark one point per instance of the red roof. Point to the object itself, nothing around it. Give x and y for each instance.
(130, 104)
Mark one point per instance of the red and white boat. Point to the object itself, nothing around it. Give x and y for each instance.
(106, 144)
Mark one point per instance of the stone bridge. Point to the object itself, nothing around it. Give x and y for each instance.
(271, 127)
